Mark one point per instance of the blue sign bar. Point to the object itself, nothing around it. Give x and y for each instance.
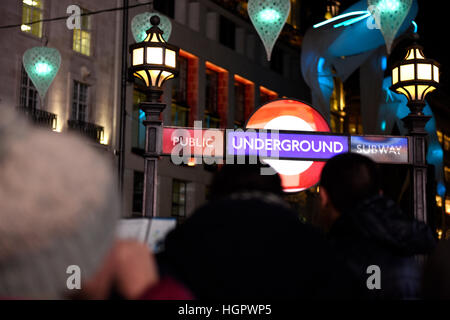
(381, 149)
(283, 145)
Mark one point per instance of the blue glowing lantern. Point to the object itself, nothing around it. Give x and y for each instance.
(141, 23)
(268, 18)
(389, 16)
(42, 65)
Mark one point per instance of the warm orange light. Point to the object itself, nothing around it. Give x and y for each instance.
(439, 201)
(214, 67)
(240, 79)
(267, 91)
(191, 162)
(186, 54)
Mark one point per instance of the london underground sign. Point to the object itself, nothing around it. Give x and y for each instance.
(193, 141)
(285, 145)
(381, 149)
(289, 135)
(288, 114)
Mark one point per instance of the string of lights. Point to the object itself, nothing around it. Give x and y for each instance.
(9, 26)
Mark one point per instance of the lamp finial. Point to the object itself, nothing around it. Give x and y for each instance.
(154, 20)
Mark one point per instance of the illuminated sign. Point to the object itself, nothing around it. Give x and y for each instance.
(194, 142)
(381, 149)
(290, 136)
(281, 145)
(293, 115)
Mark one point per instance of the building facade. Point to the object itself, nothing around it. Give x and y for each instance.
(224, 76)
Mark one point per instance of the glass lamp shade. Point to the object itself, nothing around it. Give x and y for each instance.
(154, 60)
(415, 76)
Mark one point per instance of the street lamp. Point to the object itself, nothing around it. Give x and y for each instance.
(153, 61)
(416, 76)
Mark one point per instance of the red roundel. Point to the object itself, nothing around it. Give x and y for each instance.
(288, 114)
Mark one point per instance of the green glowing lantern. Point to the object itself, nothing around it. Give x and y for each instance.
(141, 23)
(42, 65)
(268, 18)
(389, 16)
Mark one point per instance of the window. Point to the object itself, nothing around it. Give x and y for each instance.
(439, 201)
(79, 101)
(180, 115)
(212, 79)
(138, 191)
(266, 95)
(82, 37)
(180, 109)
(439, 136)
(179, 87)
(337, 104)
(29, 97)
(137, 127)
(293, 18)
(32, 10)
(332, 9)
(178, 198)
(184, 90)
(239, 102)
(227, 32)
(446, 143)
(216, 96)
(352, 123)
(212, 121)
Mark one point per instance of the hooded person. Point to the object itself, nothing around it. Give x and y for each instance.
(369, 231)
(247, 243)
(58, 213)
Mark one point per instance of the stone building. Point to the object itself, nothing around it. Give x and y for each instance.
(224, 76)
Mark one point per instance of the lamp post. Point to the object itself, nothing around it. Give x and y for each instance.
(153, 61)
(416, 76)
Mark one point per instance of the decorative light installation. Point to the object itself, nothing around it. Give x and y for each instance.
(42, 65)
(141, 23)
(268, 18)
(389, 16)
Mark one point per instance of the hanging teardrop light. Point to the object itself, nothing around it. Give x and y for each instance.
(268, 18)
(42, 64)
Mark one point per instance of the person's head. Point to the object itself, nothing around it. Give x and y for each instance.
(58, 211)
(242, 248)
(346, 180)
(244, 177)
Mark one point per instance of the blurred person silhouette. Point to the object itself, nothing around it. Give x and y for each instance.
(247, 243)
(436, 282)
(366, 228)
(59, 208)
